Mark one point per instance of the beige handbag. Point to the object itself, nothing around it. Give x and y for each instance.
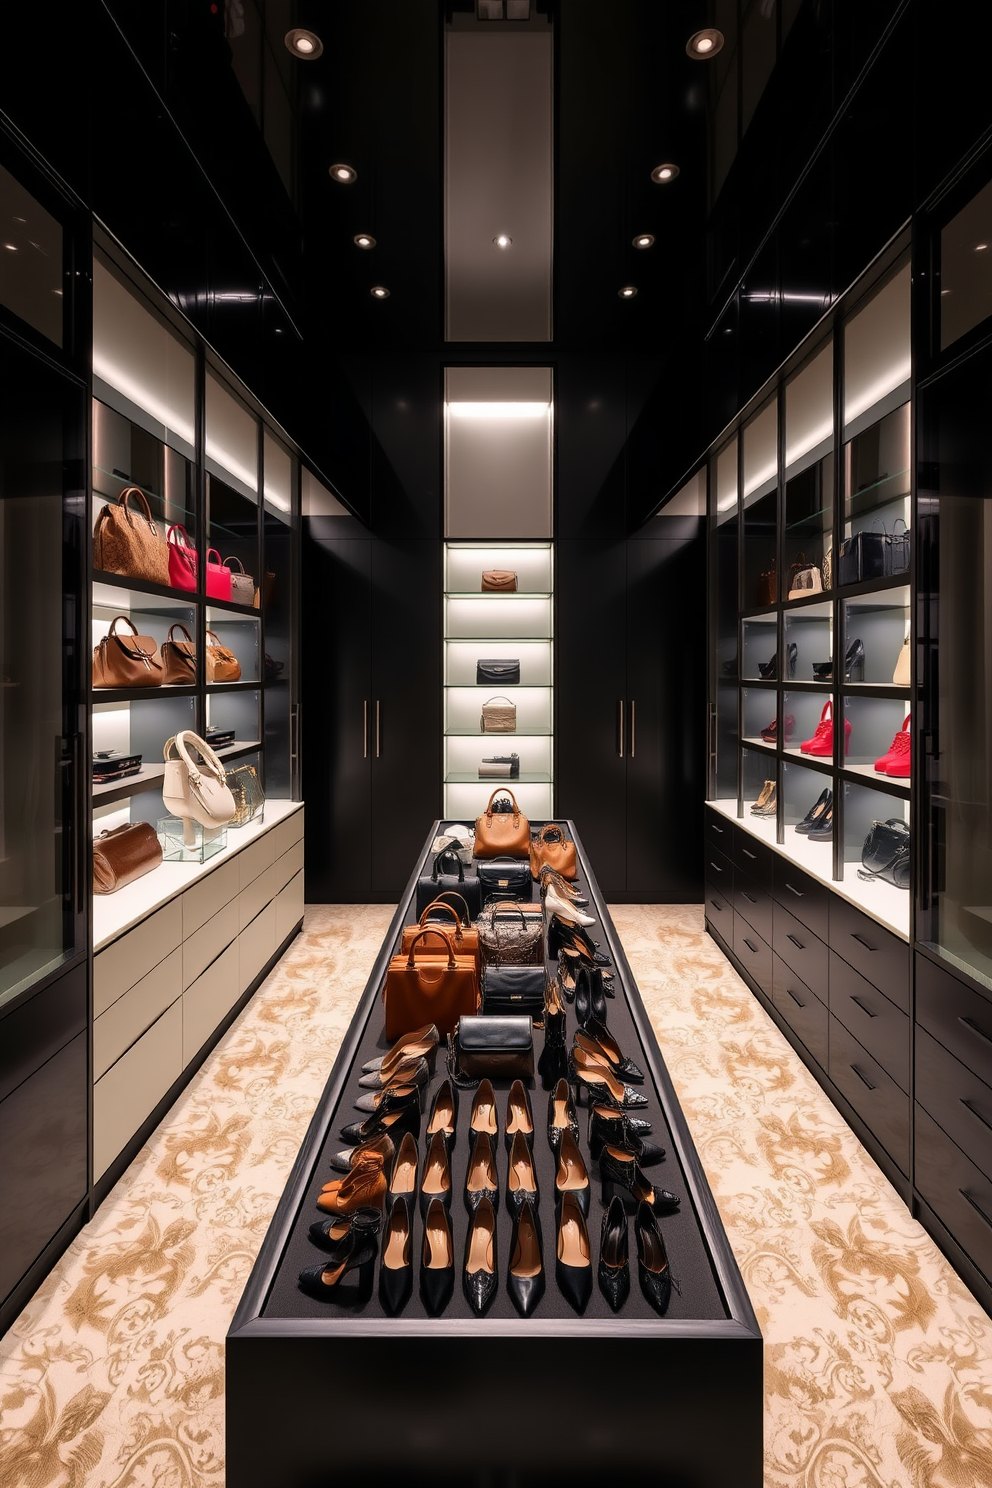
(222, 664)
(196, 791)
(499, 581)
(903, 672)
(129, 543)
(499, 716)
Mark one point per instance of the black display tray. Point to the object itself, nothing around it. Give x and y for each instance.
(683, 1393)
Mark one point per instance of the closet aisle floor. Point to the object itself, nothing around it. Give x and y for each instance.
(878, 1361)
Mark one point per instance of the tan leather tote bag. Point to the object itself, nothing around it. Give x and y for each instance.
(502, 834)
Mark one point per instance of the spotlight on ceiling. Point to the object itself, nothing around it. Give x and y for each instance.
(363, 240)
(343, 173)
(306, 45)
(379, 292)
(503, 241)
(628, 292)
(643, 240)
(664, 173)
(704, 44)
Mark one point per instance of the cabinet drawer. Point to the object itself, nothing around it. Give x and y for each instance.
(755, 904)
(289, 865)
(210, 997)
(286, 834)
(753, 857)
(754, 954)
(255, 859)
(720, 913)
(956, 1099)
(876, 1097)
(127, 960)
(880, 956)
(956, 1015)
(208, 942)
(876, 1023)
(805, 1014)
(129, 1017)
(212, 892)
(719, 832)
(805, 897)
(256, 944)
(802, 950)
(957, 1192)
(39, 1028)
(719, 871)
(289, 907)
(133, 1087)
(256, 896)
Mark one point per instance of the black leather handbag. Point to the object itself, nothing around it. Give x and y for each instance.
(885, 853)
(497, 673)
(513, 989)
(487, 1048)
(505, 878)
(448, 876)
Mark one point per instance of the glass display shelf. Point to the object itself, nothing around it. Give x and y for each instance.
(138, 694)
(526, 777)
(520, 733)
(138, 590)
(245, 685)
(150, 776)
(896, 785)
(486, 594)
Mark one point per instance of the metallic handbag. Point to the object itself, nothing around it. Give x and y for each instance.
(509, 936)
(249, 797)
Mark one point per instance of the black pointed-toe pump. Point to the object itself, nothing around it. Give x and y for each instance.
(622, 1177)
(437, 1260)
(652, 1259)
(525, 1279)
(396, 1266)
(480, 1274)
(614, 1263)
(573, 1262)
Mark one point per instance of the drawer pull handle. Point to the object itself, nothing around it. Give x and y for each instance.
(795, 940)
(798, 892)
(718, 907)
(795, 999)
(752, 948)
(751, 855)
(714, 866)
(749, 897)
(975, 1112)
(859, 938)
(715, 828)
(975, 1029)
(975, 1205)
(863, 1078)
(864, 1007)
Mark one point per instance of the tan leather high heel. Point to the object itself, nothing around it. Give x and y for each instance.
(419, 1044)
(365, 1185)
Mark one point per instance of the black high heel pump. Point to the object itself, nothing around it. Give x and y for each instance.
(356, 1252)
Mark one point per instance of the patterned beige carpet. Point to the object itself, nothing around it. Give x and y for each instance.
(878, 1361)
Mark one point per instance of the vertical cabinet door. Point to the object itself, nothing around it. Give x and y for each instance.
(337, 716)
(590, 648)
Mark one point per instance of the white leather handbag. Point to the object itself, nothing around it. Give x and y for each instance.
(196, 791)
(458, 839)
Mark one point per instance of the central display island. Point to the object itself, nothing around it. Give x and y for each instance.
(323, 1392)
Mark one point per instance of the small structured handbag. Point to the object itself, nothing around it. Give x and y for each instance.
(195, 790)
(499, 716)
(448, 876)
(510, 937)
(499, 581)
(500, 1048)
(885, 853)
(242, 584)
(222, 664)
(178, 659)
(442, 916)
(437, 990)
(505, 878)
(508, 990)
(804, 578)
(249, 797)
(500, 767)
(125, 542)
(902, 673)
(502, 833)
(496, 672)
(552, 847)
(126, 660)
(183, 566)
(123, 854)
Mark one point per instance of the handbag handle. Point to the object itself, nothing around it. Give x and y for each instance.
(179, 626)
(467, 920)
(512, 905)
(185, 543)
(216, 555)
(542, 835)
(185, 740)
(441, 904)
(452, 963)
(448, 853)
(125, 497)
(229, 561)
(213, 636)
(130, 645)
(502, 791)
(498, 699)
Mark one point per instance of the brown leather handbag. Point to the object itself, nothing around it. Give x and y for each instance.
(123, 854)
(552, 847)
(434, 990)
(222, 664)
(464, 936)
(126, 661)
(767, 586)
(178, 659)
(125, 542)
(502, 833)
(499, 581)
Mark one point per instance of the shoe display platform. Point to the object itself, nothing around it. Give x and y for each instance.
(317, 1386)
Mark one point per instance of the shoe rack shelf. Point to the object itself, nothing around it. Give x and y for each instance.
(700, 1361)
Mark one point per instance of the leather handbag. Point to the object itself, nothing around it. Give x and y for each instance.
(804, 578)
(496, 673)
(510, 937)
(183, 566)
(502, 833)
(499, 581)
(767, 587)
(196, 791)
(242, 584)
(123, 854)
(897, 548)
(885, 853)
(457, 838)
(508, 990)
(440, 916)
(433, 990)
(448, 876)
(222, 664)
(498, 717)
(863, 555)
(126, 661)
(178, 659)
(902, 675)
(492, 1047)
(128, 543)
(552, 848)
(249, 797)
(505, 878)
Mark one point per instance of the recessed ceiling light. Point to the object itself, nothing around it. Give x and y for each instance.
(503, 241)
(10, 247)
(644, 240)
(380, 292)
(304, 44)
(363, 240)
(628, 292)
(664, 173)
(980, 247)
(704, 44)
(343, 173)
(945, 291)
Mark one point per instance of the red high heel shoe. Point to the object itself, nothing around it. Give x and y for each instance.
(822, 742)
(897, 759)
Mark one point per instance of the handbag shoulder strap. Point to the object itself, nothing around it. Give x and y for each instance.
(452, 963)
(179, 626)
(124, 498)
(502, 791)
(442, 904)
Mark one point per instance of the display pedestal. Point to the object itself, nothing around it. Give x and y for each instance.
(187, 841)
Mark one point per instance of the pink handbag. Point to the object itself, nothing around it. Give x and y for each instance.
(182, 566)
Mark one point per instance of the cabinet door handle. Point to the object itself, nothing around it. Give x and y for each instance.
(975, 1205)
(795, 941)
(863, 1078)
(717, 907)
(751, 855)
(715, 868)
(795, 999)
(716, 829)
(749, 897)
(861, 941)
(377, 750)
(974, 1028)
(365, 729)
(798, 892)
(864, 1007)
(975, 1112)
(620, 711)
(633, 729)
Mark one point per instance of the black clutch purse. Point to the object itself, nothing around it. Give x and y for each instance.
(496, 672)
(513, 989)
(491, 1048)
(505, 878)
(448, 876)
(885, 854)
